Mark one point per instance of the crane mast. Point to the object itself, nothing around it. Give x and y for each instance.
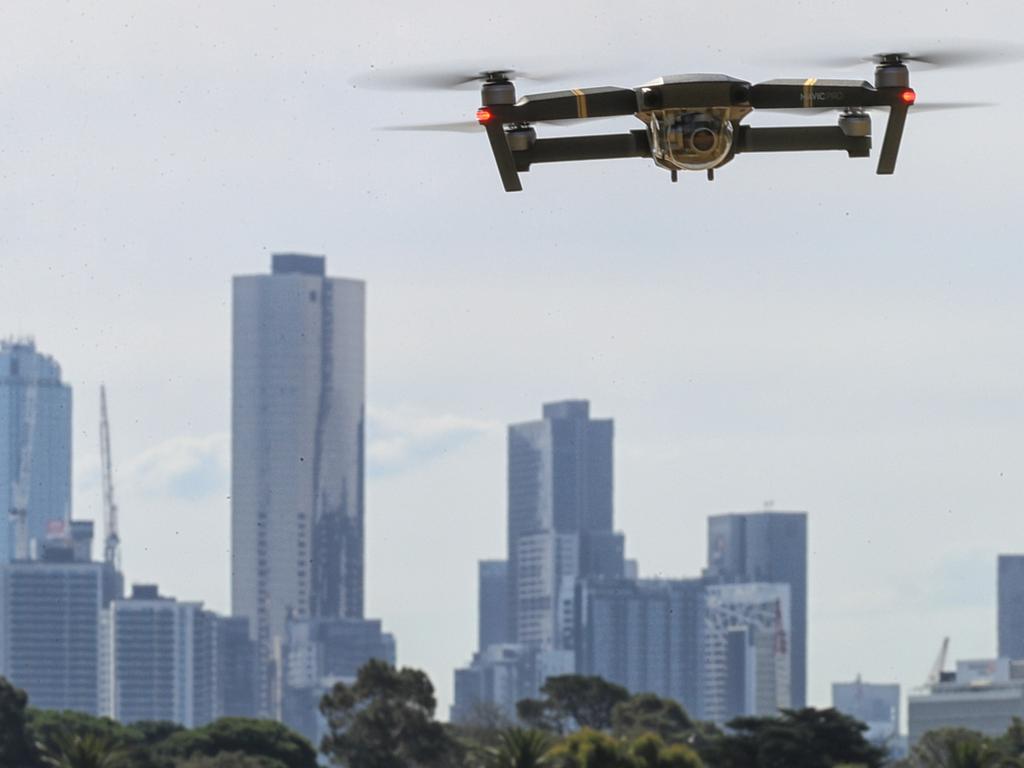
(111, 553)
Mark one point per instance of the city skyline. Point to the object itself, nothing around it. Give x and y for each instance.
(798, 330)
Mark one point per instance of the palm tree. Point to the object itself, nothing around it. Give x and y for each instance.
(81, 751)
(520, 748)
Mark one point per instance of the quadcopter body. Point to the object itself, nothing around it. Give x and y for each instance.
(694, 122)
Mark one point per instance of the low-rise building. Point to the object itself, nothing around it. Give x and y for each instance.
(983, 695)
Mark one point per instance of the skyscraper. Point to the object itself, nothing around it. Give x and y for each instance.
(492, 603)
(559, 519)
(1011, 606)
(744, 650)
(35, 445)
(298, 391)
(767, 547)
(642, 634)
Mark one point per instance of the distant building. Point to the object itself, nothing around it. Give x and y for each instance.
(877, 705)
(502, 675)
(50, 634)
(744, 651)
(767, 547)
(982, 695)
(1011, 606)
(298, 411)
(317, 654)
(492, 606)
(559, 519)
(35, 444)
(642, 635)
(235, 677)
(162, 660)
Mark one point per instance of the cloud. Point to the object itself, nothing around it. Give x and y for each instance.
(403, 438)
(186, 468)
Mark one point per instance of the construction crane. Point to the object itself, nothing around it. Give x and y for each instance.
(935, 676)
(20, 492)
(111, 553)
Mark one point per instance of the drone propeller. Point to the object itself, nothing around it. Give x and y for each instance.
(434, 80)
(472, 126)
(959, 56)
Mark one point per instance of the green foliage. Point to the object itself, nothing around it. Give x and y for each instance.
(962, 748)
(520, 748)
(15, 741)
(385, 719)
(82, 750)
(47, 727)
(248, 736)
(804, 738)
(587, 748)
(230, 760)
(649, 751)
(648, 713)
(573, 701)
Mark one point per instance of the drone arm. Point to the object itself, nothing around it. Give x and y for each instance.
(809, 138)
(577, 104)
(813, 93)
(603, 147)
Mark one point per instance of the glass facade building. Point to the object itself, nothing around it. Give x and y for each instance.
(559, 518)
(298, 392)
(50, 635)
(767, 547)
(1011, 606)
(35, 443)
(642, 634)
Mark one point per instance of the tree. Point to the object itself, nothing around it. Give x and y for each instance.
(573, 701)
(384, 720)
(133, 743)
(804, 738)
(230, 760)
(649, 751)
(520, 748)
(247, 736)
(959, 748)
(15, 741)
(82, 750)
(648, 713)
(587, 748)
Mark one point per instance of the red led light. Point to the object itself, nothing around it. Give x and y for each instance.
(484, 115)
(908, 96)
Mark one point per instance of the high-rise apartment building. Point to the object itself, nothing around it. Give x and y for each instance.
(162, 659)
(298, 392)
(767, 547)
(745, 655)
(642, 634)
(1011, 606)
(559, 519)
(35, 446)
(50, 635)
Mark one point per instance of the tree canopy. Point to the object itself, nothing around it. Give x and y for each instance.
(573, 701)
(385, 719)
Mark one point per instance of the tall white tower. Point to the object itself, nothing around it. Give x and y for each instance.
(298, 401)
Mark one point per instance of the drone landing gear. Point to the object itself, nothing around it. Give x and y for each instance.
(675, 176)
(711, 174)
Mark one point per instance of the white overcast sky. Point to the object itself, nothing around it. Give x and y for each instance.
(800, 330)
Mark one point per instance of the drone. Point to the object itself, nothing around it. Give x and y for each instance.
(693, 122)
